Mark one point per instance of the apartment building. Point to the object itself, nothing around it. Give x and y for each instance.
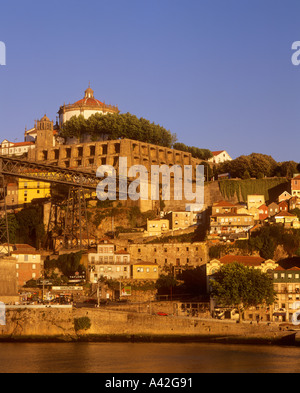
(28, 263)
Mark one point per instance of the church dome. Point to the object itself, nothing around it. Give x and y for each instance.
(87, 106)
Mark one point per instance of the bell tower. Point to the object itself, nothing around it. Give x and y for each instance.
(44, 133)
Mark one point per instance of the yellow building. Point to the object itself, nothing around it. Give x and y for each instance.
(32, 189)
(157, 227)
(288, 219)
(255, 201)
(145, 271)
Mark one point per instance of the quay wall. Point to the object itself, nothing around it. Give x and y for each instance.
(59, 323)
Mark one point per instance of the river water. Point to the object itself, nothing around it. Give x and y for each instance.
(147, 358)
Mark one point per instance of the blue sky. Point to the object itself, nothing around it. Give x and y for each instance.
(217, 73)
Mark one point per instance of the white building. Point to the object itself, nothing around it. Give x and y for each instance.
(219, 157)
(86, 107)
(108, 263)
(8, 148)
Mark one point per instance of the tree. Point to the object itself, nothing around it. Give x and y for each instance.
(255, 165)
(116, 126)
(239, 286)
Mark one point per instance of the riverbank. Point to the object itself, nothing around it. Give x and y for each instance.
(104, 325)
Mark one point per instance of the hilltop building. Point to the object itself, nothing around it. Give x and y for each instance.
(219, 157)
(85, 107)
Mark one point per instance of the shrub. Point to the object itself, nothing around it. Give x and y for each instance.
(83, 323)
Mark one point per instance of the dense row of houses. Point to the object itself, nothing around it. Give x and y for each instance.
(231, 221)
(109, 262)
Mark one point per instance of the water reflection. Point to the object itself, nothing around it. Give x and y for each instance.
(146, 358)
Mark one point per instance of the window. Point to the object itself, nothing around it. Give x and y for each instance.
(33, 266)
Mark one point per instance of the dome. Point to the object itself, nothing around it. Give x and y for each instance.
(87, 106)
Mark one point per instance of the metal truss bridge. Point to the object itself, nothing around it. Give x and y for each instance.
(77, 181)
(47, 173)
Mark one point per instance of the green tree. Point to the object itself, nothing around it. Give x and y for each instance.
(239, 286)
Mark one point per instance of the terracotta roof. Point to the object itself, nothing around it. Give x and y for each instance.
(24, 249)
(280, 268)
(285, 214)
(245, 260)
(88, 102)
(145, 263)
(216, 153)
(263, 207)
(283, 203)
(231, 215)
(23, 143)
(224, 203)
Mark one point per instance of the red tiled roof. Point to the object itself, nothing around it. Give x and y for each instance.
(23, 143)
(263, 207)
(280, 268)
(285, 214)
(216, 153)
(24, 249)
(224, 203)
(145, 263)
(88, 102)
(231, 215)
(245, 260)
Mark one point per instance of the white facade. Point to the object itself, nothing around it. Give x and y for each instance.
(85, 107)
(219, 157)
(108, 263)
(15, 149)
